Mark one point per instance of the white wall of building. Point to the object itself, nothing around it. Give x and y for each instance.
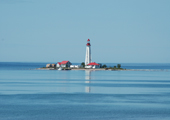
(96, 66)
(89, 66)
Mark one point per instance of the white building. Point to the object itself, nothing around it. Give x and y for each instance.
(88, 53)
(75, 66)
(64, 64)
(92, 65)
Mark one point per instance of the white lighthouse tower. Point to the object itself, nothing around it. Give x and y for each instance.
(88, 53)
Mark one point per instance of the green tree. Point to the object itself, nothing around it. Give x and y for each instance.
(104, 66)
(114, 66)
(83, 64)
(118, 65)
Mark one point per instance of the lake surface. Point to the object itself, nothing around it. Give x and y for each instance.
(27, 93)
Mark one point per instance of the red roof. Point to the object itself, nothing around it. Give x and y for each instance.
(93, 63)
(88, 40)
(64, 62)
(59, 63)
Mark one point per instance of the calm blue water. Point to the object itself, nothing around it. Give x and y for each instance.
(27, 93)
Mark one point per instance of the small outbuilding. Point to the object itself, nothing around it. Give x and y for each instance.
(48, 65)
(58, 64)
(53, 65)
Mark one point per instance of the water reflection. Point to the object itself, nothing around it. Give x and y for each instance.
(64, 80)
(88, 78)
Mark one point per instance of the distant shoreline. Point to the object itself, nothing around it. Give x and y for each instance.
(103, 69)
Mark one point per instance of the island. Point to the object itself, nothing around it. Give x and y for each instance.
(87, 65)
(67, 66)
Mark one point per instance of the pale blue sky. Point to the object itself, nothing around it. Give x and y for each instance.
(121, 31)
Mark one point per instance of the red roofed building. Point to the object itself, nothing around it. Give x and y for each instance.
(92, 65)
(64, 64)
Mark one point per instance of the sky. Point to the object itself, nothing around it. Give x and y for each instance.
(120, 31)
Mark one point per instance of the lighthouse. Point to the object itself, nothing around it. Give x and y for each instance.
(88, 53)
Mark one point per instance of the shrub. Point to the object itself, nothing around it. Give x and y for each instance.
(104, 66)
